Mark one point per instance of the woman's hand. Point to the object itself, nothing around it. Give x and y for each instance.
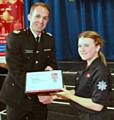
(64, 94)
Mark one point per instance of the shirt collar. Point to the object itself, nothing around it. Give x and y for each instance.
(34, 34)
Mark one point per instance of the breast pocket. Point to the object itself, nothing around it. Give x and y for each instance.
(28, 54)
(47, 52)
(28, 57)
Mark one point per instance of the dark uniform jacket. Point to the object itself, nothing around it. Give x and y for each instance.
(25, 54)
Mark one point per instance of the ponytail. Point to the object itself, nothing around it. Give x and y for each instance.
(102, 57)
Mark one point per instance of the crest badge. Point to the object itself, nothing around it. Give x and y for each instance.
(102, 85)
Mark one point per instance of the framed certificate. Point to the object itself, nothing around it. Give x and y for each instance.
(45, 81)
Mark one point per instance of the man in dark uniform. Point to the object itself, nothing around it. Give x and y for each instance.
(28, 51)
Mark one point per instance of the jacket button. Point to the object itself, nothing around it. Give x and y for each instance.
(13, 84)
(37, 51)
(28, 97)
(36, 62)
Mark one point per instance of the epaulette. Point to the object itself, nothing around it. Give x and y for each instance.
(25, 29)
(16, 31)
(49, 34)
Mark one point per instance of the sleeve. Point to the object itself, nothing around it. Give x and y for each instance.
(102, 87)
(14, 58)
(81, 108)
(52, 56)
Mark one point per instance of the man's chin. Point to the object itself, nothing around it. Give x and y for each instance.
(39, 31)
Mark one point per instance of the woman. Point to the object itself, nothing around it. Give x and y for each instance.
(92, 93)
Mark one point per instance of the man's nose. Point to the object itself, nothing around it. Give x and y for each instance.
(41, 20)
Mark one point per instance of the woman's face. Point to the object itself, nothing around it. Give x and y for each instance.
(87, 49)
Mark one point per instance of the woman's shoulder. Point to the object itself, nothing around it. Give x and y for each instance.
(100, 67)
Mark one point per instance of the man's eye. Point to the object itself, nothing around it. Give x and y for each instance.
(86, 45)
(45, 18)
(38, 16)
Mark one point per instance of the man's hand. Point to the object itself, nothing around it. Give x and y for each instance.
(45, 99)
(48, 68)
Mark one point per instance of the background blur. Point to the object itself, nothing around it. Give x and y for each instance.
(67, 19)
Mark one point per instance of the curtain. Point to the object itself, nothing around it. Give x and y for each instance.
(70, 17)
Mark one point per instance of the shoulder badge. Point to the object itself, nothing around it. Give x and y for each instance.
(49, 34)
(102, 85)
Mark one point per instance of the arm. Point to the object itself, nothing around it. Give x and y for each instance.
(85, 102)
(100, 96)
(51, 58)
(14, 58)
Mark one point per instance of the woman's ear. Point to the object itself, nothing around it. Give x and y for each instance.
(98, 47)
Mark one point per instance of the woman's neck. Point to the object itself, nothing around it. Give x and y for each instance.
(91, 60)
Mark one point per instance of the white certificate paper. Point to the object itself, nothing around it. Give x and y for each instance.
(45, 81)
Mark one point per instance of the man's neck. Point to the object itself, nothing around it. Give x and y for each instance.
(36, 34)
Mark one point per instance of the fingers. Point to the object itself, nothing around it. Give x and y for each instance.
(48, 68)
(45, 99)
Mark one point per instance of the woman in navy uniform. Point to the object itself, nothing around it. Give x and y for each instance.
(28, 51)
(93, 89)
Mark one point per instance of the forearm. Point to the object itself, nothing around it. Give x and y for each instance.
(16, 68)
(85, 102)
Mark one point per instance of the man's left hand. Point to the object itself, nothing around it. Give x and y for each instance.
(45, 99)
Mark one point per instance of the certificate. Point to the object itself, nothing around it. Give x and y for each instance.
(45, 81)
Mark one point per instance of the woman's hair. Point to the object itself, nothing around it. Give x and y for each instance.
(98, 41)
(44, 5)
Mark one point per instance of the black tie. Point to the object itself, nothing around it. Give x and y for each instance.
(38, 39)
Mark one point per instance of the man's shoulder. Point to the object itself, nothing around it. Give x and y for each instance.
(16, 34)
(19, 32)
(48, 34)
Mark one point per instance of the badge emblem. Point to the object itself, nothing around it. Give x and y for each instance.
(88, 75)
(102, 85)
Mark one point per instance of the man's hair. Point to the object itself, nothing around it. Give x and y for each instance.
(44, 5)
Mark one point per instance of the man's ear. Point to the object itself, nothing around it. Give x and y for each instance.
(29, 17)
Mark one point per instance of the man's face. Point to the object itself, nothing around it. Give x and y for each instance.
(38, 19)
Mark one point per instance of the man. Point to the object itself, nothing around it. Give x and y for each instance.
(28, 51)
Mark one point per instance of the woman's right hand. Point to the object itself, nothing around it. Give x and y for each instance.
(64, 94)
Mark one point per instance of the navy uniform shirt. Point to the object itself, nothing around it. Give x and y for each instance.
(94, 82)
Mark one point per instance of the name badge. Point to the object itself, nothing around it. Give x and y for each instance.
(28, 51)
(47, 50)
